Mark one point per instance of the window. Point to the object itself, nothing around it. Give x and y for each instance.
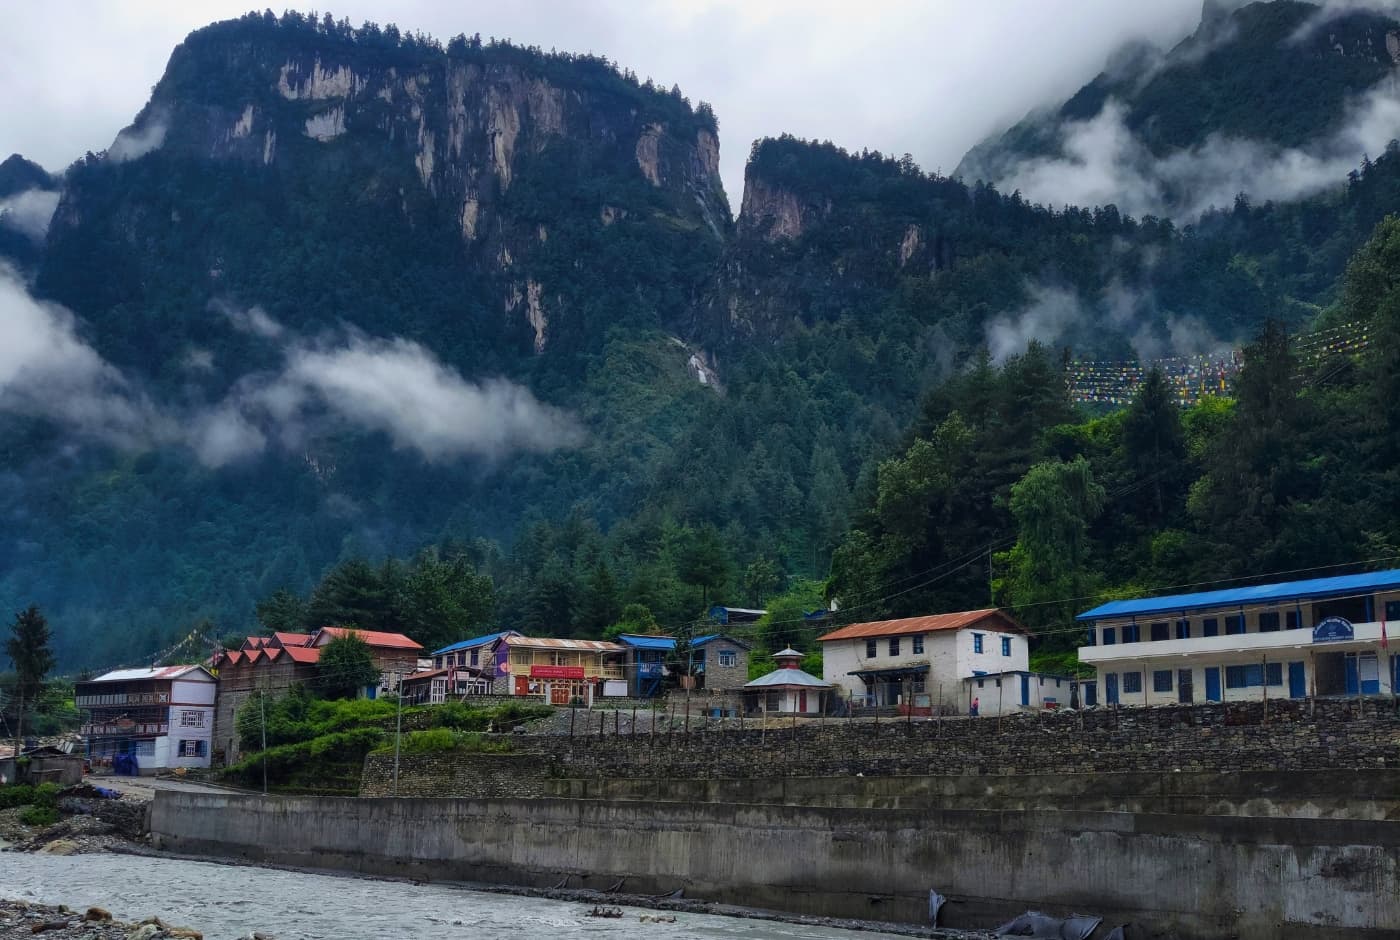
(1162, 680)
(1132, 633)
(1110, 636)
(1253, 675)
(977, 642)
(871, 649)
(1268, 622)
(1093, 636)
(728, 658)
(191, 719)
(476, 657)
(1234, 624)
(979, 683)
(1160, 631)
(919, 645)
(1292, 620)
(894, 646)
(1183, 629)
(1006, 646)
(1392, 610)
(192, 748)
(1210, 627)
(1132, 682)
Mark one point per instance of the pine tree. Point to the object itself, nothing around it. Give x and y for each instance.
(32, 658)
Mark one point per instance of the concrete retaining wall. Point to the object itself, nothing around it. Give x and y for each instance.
(1255, 878)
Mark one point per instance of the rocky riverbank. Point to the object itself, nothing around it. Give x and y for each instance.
(88, 822)
(22, 919)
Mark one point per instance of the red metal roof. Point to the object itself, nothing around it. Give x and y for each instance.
(929, 624)
(372, 637)
(292, 639)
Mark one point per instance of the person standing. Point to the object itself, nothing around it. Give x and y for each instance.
(972, 712)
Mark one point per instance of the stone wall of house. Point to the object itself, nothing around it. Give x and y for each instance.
(725, 678)
(1283, 735)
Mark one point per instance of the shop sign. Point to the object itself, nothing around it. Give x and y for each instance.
(556, 672)
(1333, 630)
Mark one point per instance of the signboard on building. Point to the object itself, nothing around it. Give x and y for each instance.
(556, 672)
(1333, 630)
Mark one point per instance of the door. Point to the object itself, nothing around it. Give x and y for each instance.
(1353, 679)
(802, 701)
(1212, 683)
(1025, 690)
(1297, 681)
(1184, 691)
(1370, 674)
(1110, 688)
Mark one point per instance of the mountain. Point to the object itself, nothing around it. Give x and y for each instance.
(28, 195)
(1281, 75)
(342, 295)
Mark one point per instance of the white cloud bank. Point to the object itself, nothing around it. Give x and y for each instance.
(393, 386)
(1102, 163)
(30, 212)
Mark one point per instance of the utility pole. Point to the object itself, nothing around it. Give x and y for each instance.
(398, 730)
(262, 712)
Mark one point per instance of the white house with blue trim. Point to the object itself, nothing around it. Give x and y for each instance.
(1295, 639)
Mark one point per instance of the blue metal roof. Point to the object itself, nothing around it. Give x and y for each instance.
(1340, 585)
(640, 642)
(468, 644)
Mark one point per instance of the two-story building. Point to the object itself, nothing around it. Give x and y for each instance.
(1294, 639)
(718, 662)
(947, 660)
(145, 720)
(560, 671)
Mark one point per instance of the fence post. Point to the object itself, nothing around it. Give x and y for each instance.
(634, 718)
(573, 711)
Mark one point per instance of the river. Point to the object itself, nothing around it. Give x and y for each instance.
(227, 902)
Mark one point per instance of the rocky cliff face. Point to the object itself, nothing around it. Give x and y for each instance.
(496, 147)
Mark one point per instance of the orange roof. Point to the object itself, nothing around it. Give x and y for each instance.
(291, 639)
(372, 637)
(254, 642)
(302, 654)
(956, 621)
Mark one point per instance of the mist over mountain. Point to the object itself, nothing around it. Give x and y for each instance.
(341, 294)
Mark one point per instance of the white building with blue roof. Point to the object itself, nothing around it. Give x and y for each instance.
(1294, 639)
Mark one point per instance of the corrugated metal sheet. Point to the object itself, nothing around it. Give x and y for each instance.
(930, 624)
(1338, 586)
(550, 643)
(372, 637)
(474, 642)
(637, 641)
(782, 677)
(136, 675)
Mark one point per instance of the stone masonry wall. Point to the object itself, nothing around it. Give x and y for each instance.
(1278, 735)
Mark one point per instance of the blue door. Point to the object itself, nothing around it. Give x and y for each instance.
(1297, 681)
(1025, 690)
(1370, 686)
(1212, 683)
(1353, 678)
(1110, 688)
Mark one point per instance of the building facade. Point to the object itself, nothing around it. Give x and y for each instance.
(472, 665)
(786, 690)
(562, 672)
(892, 662)
(1316, 637)
(145, 720)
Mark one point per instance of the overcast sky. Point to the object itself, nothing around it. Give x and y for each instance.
(926, 77)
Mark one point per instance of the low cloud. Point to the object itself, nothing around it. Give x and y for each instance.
(392, 386)
(1103, 163)
(134, 142)
(399, 388)
(1058, 316)
(48, 371)
(252, 320)
(30, 212)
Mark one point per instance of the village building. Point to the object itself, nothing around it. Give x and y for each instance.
(473, 667)
(1293, 639)
(562, 672)
(273, 664)
(718, 662)
(944, 660)
(786, 690)
(149, 719)
(729, 616)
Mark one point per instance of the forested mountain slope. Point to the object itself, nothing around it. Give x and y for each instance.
(340, 296)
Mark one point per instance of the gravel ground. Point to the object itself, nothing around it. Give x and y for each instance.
(22, 919)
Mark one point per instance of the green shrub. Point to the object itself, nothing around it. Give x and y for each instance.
(437, 740)
(21, 794)
(39, 816)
